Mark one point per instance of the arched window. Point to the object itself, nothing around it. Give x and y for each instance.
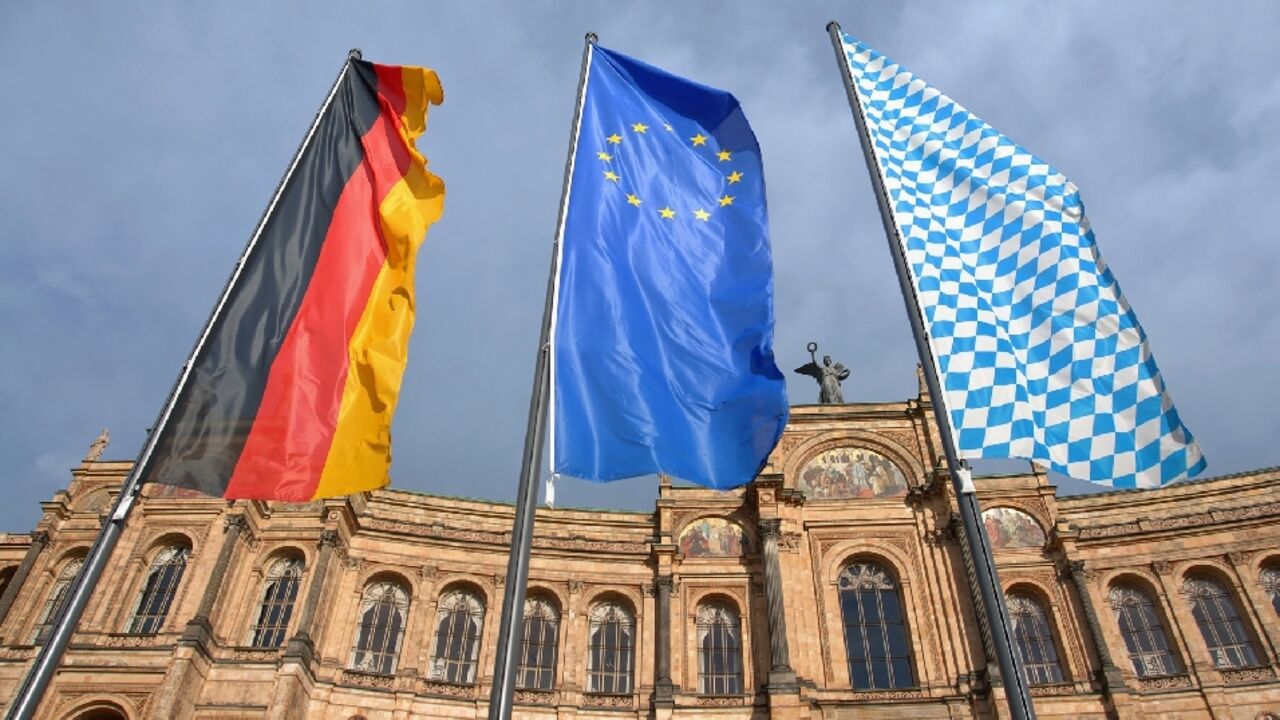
(1219, 623)
(875, 635)
(1034, 639)
(1144, 634)
(278, 596)
(57, 596)
(384, 610)
(459, 621)
(611, 643)
(540, 632)
(1270, 580)
(159, 589)
(719, 650)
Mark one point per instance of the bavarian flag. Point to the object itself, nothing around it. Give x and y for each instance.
(292, 388)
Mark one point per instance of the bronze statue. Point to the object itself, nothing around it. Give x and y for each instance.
(827, 375)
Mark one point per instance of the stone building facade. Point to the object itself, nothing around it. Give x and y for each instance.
(834, 586)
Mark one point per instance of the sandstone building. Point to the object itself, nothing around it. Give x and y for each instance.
(834, 586)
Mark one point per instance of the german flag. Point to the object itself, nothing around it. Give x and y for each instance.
(292, 390)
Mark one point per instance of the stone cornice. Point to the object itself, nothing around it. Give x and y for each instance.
(439, 531)
(1214, 516)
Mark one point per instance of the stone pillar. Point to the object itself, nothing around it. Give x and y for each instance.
(295, 679)
(1113, 683)
(663, 688)
(191, 662)
(300, 643)
(39, 540)
(780, 673)
(199, 628)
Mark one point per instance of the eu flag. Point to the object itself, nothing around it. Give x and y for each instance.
(662, 344)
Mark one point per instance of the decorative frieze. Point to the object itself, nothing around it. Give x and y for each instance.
(252, 654)
(866, 695)
(535, 697)
(1178, 522)
(126, 640)
(449, 690)
(1246, 675)
(1053, 689)
(439, 531)
(721, 700)
(373, 681)
(1164, 682)
(608, 701)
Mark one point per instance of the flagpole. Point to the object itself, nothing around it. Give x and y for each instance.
(34, 685)
(505, 660)
(979, 544)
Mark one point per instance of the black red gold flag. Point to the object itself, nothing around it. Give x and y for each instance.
(292, 392)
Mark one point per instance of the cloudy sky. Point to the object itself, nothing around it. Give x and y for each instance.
(142, 142)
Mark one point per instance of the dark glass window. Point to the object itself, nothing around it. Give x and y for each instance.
(611, 642)
(1144, 633)
(1220, 623)
(719, 650)
(875, 635)
(1034, 639)
(57, 596)
(384, 610)
(158, 591)
(277, 603)
(459, 621)
(538, 639)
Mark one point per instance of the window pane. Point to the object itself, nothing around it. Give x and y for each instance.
(459, 618)
(1034, 639)
(384, 607)
(1230, 644)
(719, 650)
(610, 649)
(875, 637)
(158, 591)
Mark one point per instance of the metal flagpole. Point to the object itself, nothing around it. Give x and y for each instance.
(979, 544)
(506, 659)
(27, 700)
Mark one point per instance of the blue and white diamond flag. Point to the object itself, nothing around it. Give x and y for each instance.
(1039, 355)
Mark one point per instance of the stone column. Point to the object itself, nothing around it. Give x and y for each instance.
(1113, 683)
(663, 688)
(300, 643)
(780, 673)
(199, 628)
(39, 540)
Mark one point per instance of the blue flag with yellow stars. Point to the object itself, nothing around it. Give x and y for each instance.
(662, 342)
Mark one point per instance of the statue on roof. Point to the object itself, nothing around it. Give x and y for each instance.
(827, 374)
(97, 446)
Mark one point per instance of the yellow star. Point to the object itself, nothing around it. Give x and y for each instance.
(727, 200)
(668, 127)
(734, 177)
(639, 127)
(699, 139)
(604, 156)
(723, 155)
(667, 213)
(701, 214)
(614, 138)
(633, 200)
(611, 175)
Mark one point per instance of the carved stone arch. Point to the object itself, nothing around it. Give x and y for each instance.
(1146, 582)
(629, 597)
(1053, 603)
(269, 554)
(897, 562)
(164, 538)
(1212, 567)
(64, 554)
(457, 581)
(906, 459)
(98, 706)
(549, 589)
(731, 595)
(895, 559)
(1140, 576)
(381, 572)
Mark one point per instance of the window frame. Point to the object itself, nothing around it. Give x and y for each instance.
(153, 621)
(720, 670)
(1024, 606)
(287, 566)
(470, 605)
(369, 654)
(1197, 587)
(618, 618)
(1127, 599)
(874, 577)
(544, 611)
(56, 598)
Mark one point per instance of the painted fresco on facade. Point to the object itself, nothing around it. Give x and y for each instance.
(713, 537)
(1009, 528)
(851, 473)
